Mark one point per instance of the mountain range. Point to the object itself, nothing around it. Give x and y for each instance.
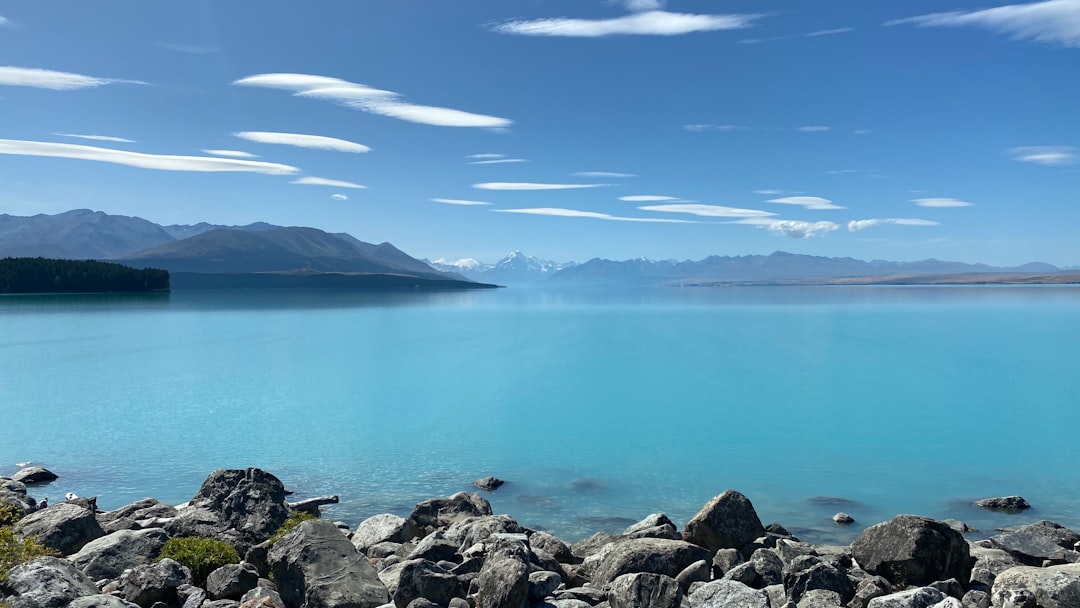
(514, 269)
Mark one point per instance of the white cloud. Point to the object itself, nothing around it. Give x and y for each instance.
(555, 211)
(322, 181)
(603, 174)
(317, 142)
(658, 23)
(457, 201)
(792, 228)
(232, 153)
(813, 129)
(1050, 156)
(854, 225)
(839, 30)
(807, 202)
(1050, 21)
(485, 155)
(57, 81)
(368, 99)
(707, 210)
(499, 161)
(941, 202)
(647, 198)
(702, 128)
(533, 186)
(120, 140)
(339, 197)
(162, 162)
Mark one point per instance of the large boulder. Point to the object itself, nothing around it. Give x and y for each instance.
(231, 581)
(101, 601)
(137, 515)
(1042, 540)
(63, 527)
(546, 541)
(47, 582)
(467, 532)
(158, 582)
(110, 555)
(315, 565)
(34, 475)
(727, 594)
(243, 507)
(728, 521)
(418, 578)
(807, 572)
(1053, 587)
(913, 550)
(920, 597)
(379, 529)
(503, 581)
(644, 590)
(436, 513)
(654, 555)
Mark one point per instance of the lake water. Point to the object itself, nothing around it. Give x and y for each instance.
(599, 407)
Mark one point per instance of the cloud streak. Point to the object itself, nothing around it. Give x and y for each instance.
(1048, 156)
(839, 30)
(315, 142)
(603, 174)
(704, 128)
(533, 186)
(322, 181)
(559, 212)
(163, 162)
(807, 202)
(458, 201)
(339, 197)
(1051, 21)
(856, 225)
(941, 202)
(499, 161)
(647, 198)
(232, 153)
(56, 81)
(648, 23)
(120, 140)
(707, 210)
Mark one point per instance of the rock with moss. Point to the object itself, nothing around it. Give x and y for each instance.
(243, 507)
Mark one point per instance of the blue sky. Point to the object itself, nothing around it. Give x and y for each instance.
(588, 128)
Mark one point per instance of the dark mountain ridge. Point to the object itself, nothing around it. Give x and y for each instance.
(78, 234)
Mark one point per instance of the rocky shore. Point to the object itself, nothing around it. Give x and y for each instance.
(455, 553)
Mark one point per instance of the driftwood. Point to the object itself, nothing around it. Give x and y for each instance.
(311, 505)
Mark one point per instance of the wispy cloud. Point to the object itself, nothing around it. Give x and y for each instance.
(648, 198)
(1050, 21)
(839, 30)
(458, 201)
(368, 99)
(499, 161)
(462, 202)
(603, 174)
(533, 186)
(190, 49)
(317, 142)
(232, 153)
(1050, 156)
(558, 212)
(807, 202)
(792, 228)
(322, 181)
(119, 140)
(812, 129)
(941, 202)
(702, 128)
(707, 210)
(162, 162)
(57, 81)
(653, 22)
(339, 197)
(855, 225)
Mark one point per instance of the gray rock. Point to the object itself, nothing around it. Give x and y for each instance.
(214, 604)
(136, 514)
(421, 602)
(843, 519)
(788, 550)
(488, 484)
(869, 588)
(951, 587)
(653, 555)
(976, 598)
(697, 572)
(503, 582)
(262, 596)
(240, 506)
(769, 567)
(543, 583)
(644, 590)
(655, 520)
(1009, 504)
(156, 582)
(921, 597)
(418, 578)
(961, 527)
(820, 598)
(231, 581)
(727, 521)
(385, 549)
(110, 555)
(100, 601)
(1053, 587)
(469, 531)
(434, 547)
(379, 529)
(47, 582)
(590, 546)
(807, 572)
(34, 475)
(744, 573)
(190, 596)
(13, 493)
(315, 565)
(777, 596)
(589, 595)
(1042, 540)
(727, 594)
(438, 513)
(913, 550)
(557, 548)
(63, 527)
(995, 561)
(949, 602)
(724, 560)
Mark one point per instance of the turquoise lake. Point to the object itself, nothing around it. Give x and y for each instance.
(598, 407)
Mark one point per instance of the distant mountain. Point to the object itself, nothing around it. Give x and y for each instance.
(186, 231)
(778, 266)
(514, 269)
(78, 234)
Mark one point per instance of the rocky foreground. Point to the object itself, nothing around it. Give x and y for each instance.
(454, 553)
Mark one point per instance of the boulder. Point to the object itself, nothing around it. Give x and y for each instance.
(469, 531)
(34, 475)
(419, 578)
(913, 550)
(697, 572)
(843, 519)
(436, 513)
(727, 594)
(869, 588)
(1053, 587)
(1008, 504)
(434, 547)
(110, 555)
(263, 596)
(137, 515)
(543, 583)
(503, 582)
(653, 555)
(727, 521)
(231, 581)
(63, 527)
(820, 598)
(593, 544)
(488, 484)
(976, 598)
(144, 585)
(545, 541)
(315, 565)
(243, 507)
(921, 597)
(644, 590)
(1042, 540)
(656, 525)
(191, 596)
(101, 601)
(379, 529)
(47, 582)
(13, 493)
(808, 572)
(769, 567)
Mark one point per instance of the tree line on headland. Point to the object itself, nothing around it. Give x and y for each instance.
(44, 275)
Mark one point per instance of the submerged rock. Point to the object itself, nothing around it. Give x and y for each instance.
(1009, 504)
(35, 475)
(489, 484)
(843, 519)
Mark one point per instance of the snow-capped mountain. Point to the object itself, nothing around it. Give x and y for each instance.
(514, 269)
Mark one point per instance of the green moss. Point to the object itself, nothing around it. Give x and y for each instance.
(9, 514)
(297, 518)
(14, 551)
(200, 555)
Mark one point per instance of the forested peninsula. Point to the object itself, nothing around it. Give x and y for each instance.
(45, 275)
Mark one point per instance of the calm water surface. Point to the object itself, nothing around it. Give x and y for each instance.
(599, 407)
